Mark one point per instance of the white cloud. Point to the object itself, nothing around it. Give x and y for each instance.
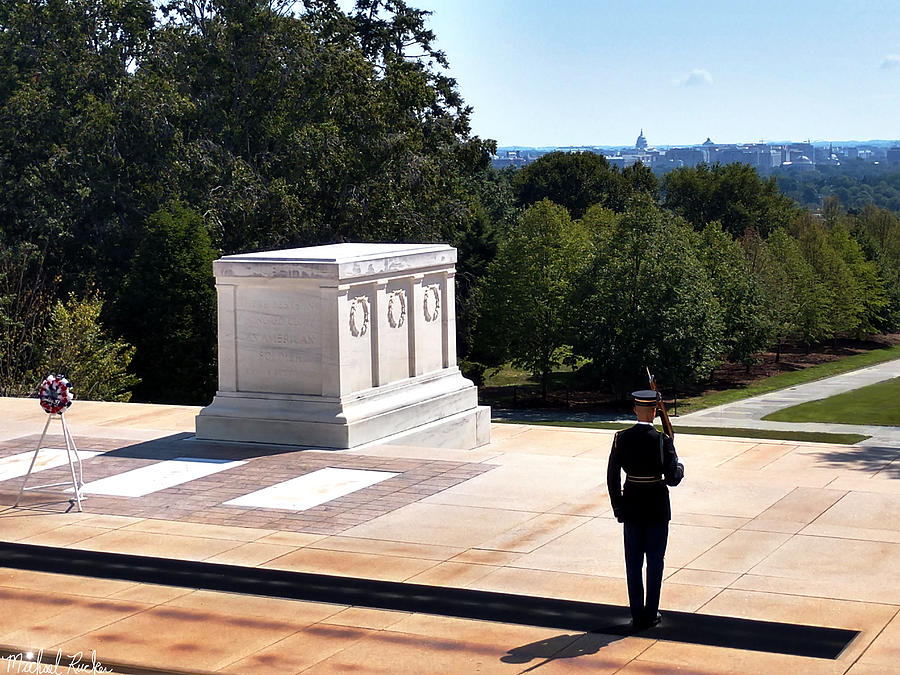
(891, 61)
(697, 77)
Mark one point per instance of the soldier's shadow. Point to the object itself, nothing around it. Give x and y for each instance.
(559, 647)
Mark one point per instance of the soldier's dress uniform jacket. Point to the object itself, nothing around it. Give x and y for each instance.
(642, 504)
(649, 460)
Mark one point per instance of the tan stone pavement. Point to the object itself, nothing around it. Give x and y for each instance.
(782, 531)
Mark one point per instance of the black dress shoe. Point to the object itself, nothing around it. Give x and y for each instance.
(645, 623)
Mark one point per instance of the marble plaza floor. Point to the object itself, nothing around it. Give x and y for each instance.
(773, 531)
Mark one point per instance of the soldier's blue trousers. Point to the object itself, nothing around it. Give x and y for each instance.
(644, 541)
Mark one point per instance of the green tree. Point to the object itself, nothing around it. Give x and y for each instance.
(878, 231)
(283, 124)
(333, 126)
(733, 194)
(640, 178)
(24, 300)
(167, 308)
(870, 301)
(795, 300)
(853, 292)
(855, 185)
(573, 180)
(65, 146)
(646, 300)
(76, 345)
(526, 314)
(747, 329)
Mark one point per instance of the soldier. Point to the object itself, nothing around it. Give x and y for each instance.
(650, 464)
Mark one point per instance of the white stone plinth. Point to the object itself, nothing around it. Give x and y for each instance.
(339, 346)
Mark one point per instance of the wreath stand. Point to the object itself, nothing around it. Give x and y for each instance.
(77, 483)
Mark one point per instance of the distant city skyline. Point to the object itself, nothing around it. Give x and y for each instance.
(589, 72)
(771, 141)
(796, 157)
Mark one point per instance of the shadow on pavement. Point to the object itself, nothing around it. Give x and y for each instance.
(600, 619)
(559, 647)
(868, 458)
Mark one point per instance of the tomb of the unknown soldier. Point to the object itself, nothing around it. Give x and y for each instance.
(341, 345)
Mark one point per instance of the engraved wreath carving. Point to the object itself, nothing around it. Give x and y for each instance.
(359, 316)
(432, 302)
(396, 309)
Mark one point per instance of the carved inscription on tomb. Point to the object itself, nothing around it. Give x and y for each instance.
(278, 342)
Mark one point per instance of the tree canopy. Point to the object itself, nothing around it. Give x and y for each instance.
(529, 291)
(578, 181)
(735, 195)
(646, 300)
(275, 124)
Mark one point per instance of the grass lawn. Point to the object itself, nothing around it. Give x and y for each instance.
(785, 380)
(803, 436)
(876, 404)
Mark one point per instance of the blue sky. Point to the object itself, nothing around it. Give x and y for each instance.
(573, 72)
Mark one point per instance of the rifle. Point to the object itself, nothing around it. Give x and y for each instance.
(664, 416)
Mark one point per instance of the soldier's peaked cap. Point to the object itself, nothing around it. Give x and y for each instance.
(646, 397)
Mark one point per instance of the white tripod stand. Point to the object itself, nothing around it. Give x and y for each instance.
(77, 483)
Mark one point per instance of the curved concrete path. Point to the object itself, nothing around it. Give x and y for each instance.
(748, 413)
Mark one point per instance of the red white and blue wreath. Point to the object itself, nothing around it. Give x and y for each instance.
(56, 394)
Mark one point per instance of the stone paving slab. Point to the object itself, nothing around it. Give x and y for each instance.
(785, 531)
(203, 500)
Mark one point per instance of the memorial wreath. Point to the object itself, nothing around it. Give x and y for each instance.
(56, 394)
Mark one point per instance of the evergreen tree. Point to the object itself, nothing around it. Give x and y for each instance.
(167, 308)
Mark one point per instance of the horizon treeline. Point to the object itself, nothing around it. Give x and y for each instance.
(139, 141)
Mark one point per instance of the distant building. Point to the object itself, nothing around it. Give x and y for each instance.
(735, 154)
(800, 164)
(893, 155)
(622, 160)
(510, 158)
(626, 157)
(709, 150)
(684, 156)
(803, 149)
(641, 143)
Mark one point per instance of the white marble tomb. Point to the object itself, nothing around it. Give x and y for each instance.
(339, 346)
